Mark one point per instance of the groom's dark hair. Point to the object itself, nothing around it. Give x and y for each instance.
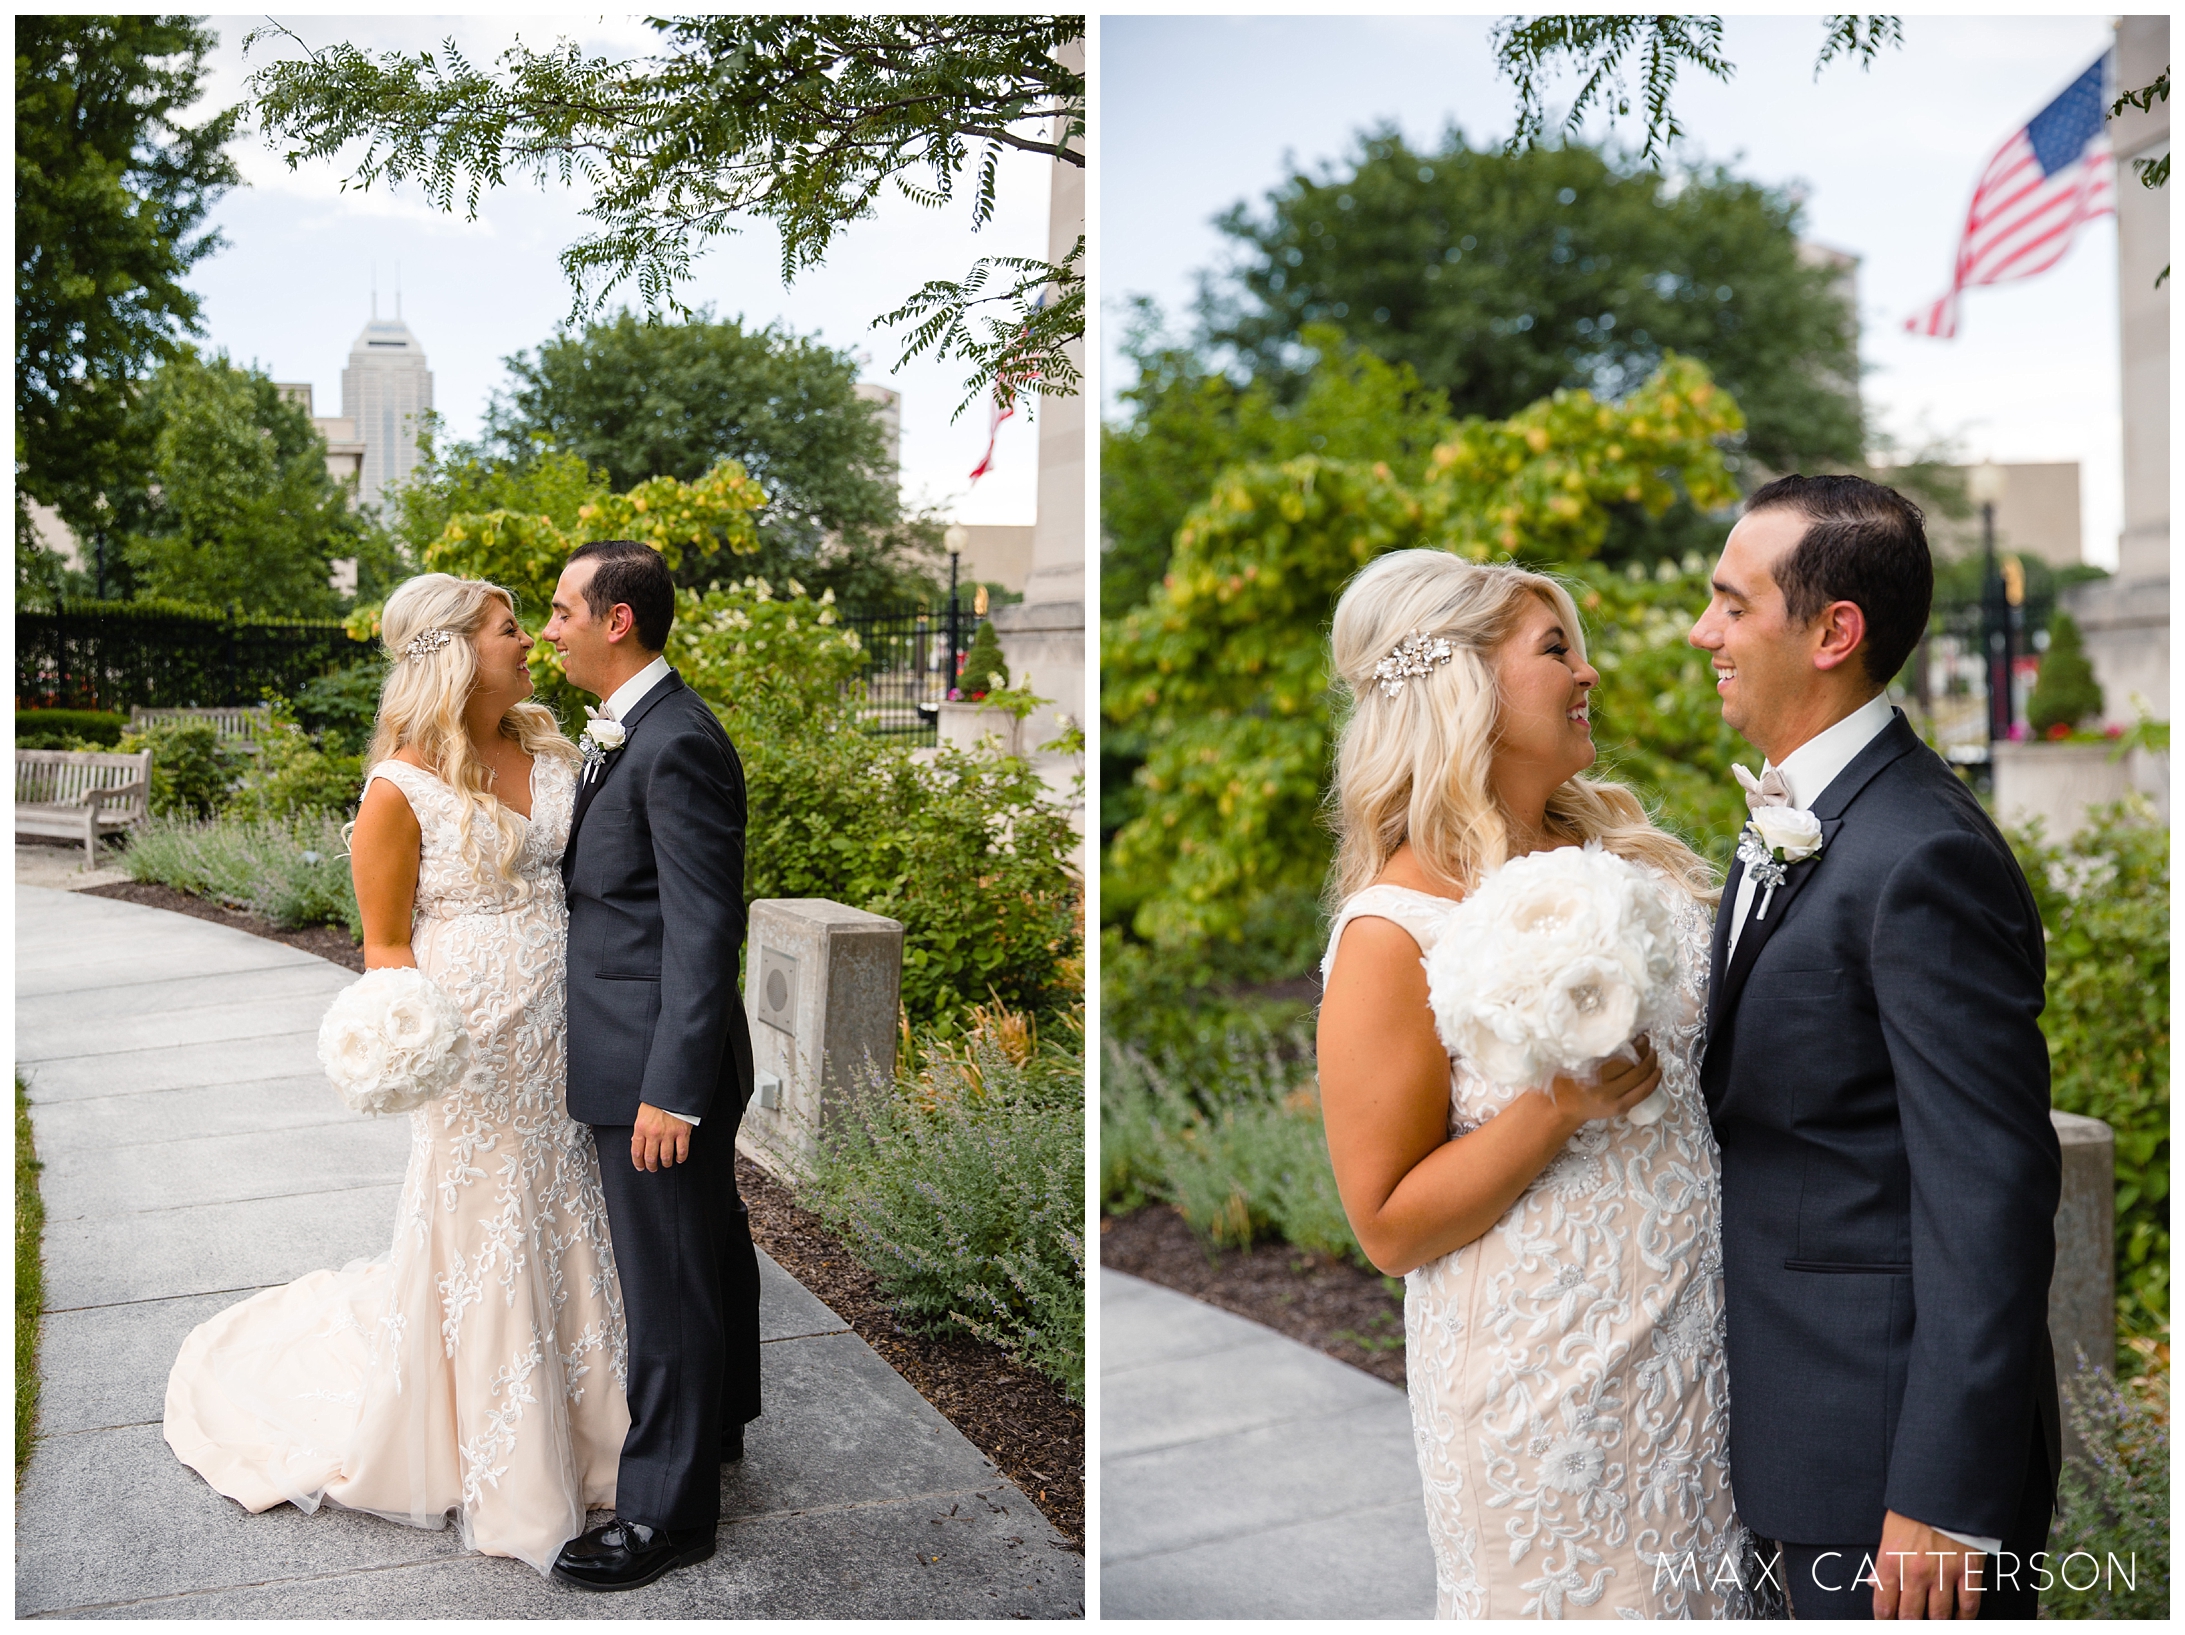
(634, 573)
(1865, 544)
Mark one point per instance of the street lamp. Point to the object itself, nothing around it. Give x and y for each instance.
(955, 538)
(1984, 484)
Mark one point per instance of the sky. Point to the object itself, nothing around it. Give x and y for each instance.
(1197, 113)
(294, 286)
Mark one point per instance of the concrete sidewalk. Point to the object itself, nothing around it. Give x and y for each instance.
(194, 1152)
(1246, 1476)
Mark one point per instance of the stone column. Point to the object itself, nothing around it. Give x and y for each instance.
(1043, 637)
(822, 989)
(2082, 1295)
(2126, 619)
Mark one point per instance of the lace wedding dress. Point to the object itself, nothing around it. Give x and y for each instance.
(478, 1366)
(1567, 1381)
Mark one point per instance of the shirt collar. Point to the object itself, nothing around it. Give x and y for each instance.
(625, 697)
(1813, 765)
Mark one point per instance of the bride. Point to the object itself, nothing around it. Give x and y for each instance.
(1563, 1287)
(478, 1366)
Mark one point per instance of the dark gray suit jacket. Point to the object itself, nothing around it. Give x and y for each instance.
(654, 872)
(1879, 1086)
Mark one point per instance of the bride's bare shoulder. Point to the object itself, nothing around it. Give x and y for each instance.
(1405, 872)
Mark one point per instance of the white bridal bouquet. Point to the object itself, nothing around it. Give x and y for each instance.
(393, 1041)
(1555, 963)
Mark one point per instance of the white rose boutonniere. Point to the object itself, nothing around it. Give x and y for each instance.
(1775, 837)
(602, 738)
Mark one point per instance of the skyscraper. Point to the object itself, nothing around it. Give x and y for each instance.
(384, 392)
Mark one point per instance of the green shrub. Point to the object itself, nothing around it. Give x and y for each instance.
(2104, 898)
(294, 873)
(1231, 1136)
(30, 1224)
(967, 850)
(193, 772)
(983, 669)
(961, 1186)
(2114, 1501)
(338, 710)
(46, 729)
(295, 778)
(2065, 693)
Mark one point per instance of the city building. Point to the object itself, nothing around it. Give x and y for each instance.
(344, 449)
(2038, 515)
(385, 392)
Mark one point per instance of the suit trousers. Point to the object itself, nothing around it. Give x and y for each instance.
(1822, 1580)
(690, 1296)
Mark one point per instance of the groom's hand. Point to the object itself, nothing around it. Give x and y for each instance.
(1920, 1573)
(658, 1140)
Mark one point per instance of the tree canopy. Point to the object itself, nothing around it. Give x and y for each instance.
(635, 399)
(801, 121)
(237, 507)
(1599, 51)
(1502, 277)
(111, 189)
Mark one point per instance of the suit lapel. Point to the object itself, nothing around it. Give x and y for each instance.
(588, 790)
(1719, 955)
(1891, 743)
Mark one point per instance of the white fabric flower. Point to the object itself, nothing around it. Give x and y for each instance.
(392, 1041)
(605, 733)
(1789, 831)
(1557, 961)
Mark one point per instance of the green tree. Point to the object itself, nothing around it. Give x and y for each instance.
(801, 121)
(1500, 278)
(638, 399)
(111, 188)
(1224, 669)
(1184, 422)
(240, 509)
(2066, 692)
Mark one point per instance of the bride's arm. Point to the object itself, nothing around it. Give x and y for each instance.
(383, 852)
(1413, 1194)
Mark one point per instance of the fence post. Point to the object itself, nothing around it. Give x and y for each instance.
(60, 651)
(234, 681)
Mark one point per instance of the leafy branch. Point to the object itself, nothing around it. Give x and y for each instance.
(800, 121)
(1023, 347)
(1530, 51)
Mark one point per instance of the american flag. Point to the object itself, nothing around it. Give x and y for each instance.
(2047, 179)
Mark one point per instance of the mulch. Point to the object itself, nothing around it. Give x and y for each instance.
(329, 942)
(1336, 1306)
(1018, 1420)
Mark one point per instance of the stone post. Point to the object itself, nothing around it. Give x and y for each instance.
(2082, 1295)
(822, 988)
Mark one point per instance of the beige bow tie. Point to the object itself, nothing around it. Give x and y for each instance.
(1769, 789)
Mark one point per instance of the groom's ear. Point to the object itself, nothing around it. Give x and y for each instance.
(621, 622)
(1839, 631)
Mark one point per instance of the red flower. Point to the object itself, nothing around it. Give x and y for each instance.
(2061, 729)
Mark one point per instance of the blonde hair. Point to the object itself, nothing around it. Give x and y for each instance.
(421, 704)
(1416, 767)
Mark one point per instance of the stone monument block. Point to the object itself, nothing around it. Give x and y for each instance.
(2082, 1295)
(822, 990)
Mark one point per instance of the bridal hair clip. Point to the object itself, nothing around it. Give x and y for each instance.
(429, 641)
(1418, 655)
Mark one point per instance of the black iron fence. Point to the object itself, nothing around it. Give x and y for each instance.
(111, 655)
(911, 658)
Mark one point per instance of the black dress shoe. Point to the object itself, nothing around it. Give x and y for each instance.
(628, 1556)
(732, 1445)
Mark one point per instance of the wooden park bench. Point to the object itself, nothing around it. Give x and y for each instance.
(239, 724)
(72, 793)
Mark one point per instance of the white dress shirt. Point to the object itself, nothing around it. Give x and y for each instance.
(1807, 771)
(624, 698)
(1811, 768)
(619, 703)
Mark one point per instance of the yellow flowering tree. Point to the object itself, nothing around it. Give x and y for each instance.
(1225, 668)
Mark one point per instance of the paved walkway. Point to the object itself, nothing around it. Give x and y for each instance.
(194, 1152)
(1246, 1476)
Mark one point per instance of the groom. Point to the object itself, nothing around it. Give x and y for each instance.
(1879, 1087)
(659, 1057)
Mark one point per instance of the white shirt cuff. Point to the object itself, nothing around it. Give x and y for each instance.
(694, 1123)
(1988, 1546)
